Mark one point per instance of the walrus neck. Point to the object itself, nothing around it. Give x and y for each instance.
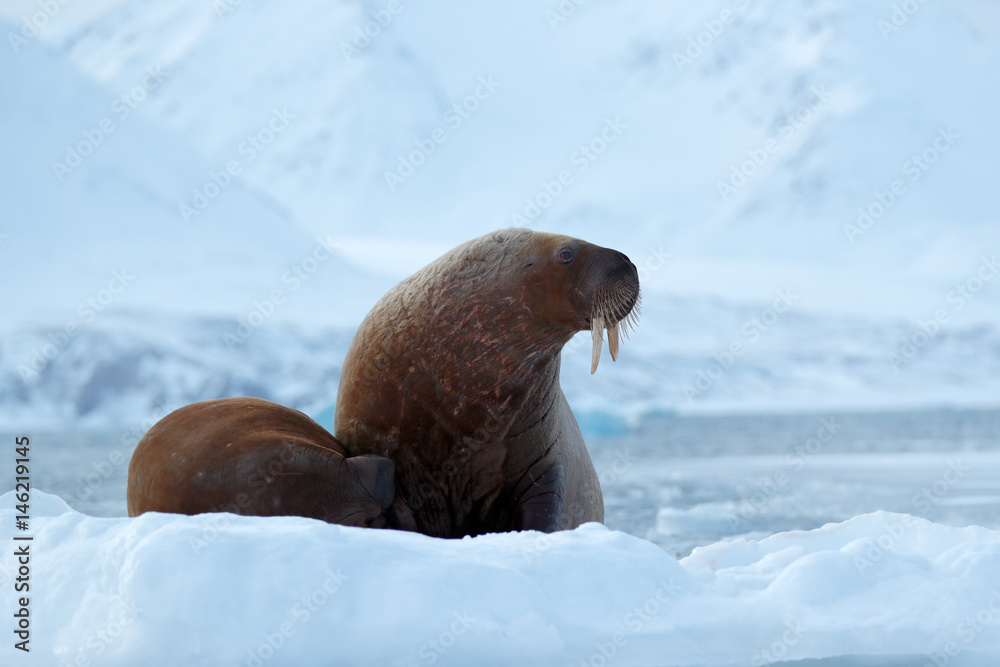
(516, 401)
(505, 355)
(539, 394)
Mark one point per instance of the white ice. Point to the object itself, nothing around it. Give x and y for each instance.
(225, 590)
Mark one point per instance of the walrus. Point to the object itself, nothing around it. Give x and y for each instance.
(254, 457)
(454, 375)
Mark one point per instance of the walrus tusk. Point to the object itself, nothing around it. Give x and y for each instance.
(597, 331)
(613, 341)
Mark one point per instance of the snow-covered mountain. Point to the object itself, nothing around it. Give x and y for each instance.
(126, 369)
(174, 169)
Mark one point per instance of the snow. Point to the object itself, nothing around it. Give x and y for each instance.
(880, 588)
(118, 307)
(844, 107)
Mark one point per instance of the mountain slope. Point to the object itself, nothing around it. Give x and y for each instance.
(93, 196)
(838, 103)
(188, 186)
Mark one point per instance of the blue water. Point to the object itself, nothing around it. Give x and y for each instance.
(686, 481)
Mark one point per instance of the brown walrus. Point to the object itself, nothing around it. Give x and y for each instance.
(251, 456)
(454, 375)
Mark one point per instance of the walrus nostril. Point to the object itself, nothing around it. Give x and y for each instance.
(622, 271)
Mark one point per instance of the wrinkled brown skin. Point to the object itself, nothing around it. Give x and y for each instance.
(454, 375)
(254, 457)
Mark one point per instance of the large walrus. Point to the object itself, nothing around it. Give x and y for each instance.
(454, 375)
(251, 456)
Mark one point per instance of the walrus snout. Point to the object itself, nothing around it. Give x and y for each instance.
(615, 301)
(619, 290)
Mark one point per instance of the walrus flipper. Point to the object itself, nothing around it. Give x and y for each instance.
(540, 506)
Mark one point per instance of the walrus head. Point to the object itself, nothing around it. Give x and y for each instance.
(478, 330)
(584, 286)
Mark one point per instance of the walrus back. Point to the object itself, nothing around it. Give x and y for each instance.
(253, 457)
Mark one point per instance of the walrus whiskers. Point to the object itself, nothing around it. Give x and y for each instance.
(609, 312)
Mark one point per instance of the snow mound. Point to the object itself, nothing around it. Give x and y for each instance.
(220, 589)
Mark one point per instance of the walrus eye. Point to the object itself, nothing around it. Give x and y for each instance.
(566, 255)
